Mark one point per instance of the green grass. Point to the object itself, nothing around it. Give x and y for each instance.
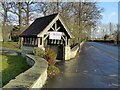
(11, 45)
(12, 65)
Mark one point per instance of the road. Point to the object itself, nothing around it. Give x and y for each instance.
(108, 49)
(96, 66)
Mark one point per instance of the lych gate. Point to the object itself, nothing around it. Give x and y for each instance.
(47, 32)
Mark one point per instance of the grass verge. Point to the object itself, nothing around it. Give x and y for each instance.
(12, 65)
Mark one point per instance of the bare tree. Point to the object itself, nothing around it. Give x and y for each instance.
(17, 10)
(86, 15)
(20, 15)
(79, 17)
(27, 8)
(5, 7)
(42, 7)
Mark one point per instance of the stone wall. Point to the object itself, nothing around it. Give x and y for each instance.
(74, 51)
(35, 77)
(67, 52)
(71, 53)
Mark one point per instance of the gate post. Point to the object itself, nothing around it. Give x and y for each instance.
(67, 52)
(41, 43)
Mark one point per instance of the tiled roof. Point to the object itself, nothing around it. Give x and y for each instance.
(38, 25)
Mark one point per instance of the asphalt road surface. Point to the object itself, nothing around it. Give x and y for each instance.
(96, 66)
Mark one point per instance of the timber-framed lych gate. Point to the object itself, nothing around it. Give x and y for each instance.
(48, 32)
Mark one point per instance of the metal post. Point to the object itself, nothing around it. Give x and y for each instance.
(110, 28)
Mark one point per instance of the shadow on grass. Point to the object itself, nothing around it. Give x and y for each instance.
(16, 65)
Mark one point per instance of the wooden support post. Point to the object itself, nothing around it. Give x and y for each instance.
(45, 37)
(55, 26)
(41, 42)
(58, 41)
(52, 41)
(63, 38)
(66, 41)
(53, 29)
(61, 41)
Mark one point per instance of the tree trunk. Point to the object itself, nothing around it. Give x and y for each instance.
(27, 15)
(20, 16)
(4, 23)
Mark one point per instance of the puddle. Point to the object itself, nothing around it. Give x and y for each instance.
(116, 84)
(115, 75)
(85, 71)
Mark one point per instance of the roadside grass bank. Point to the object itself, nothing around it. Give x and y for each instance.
(12, 65)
